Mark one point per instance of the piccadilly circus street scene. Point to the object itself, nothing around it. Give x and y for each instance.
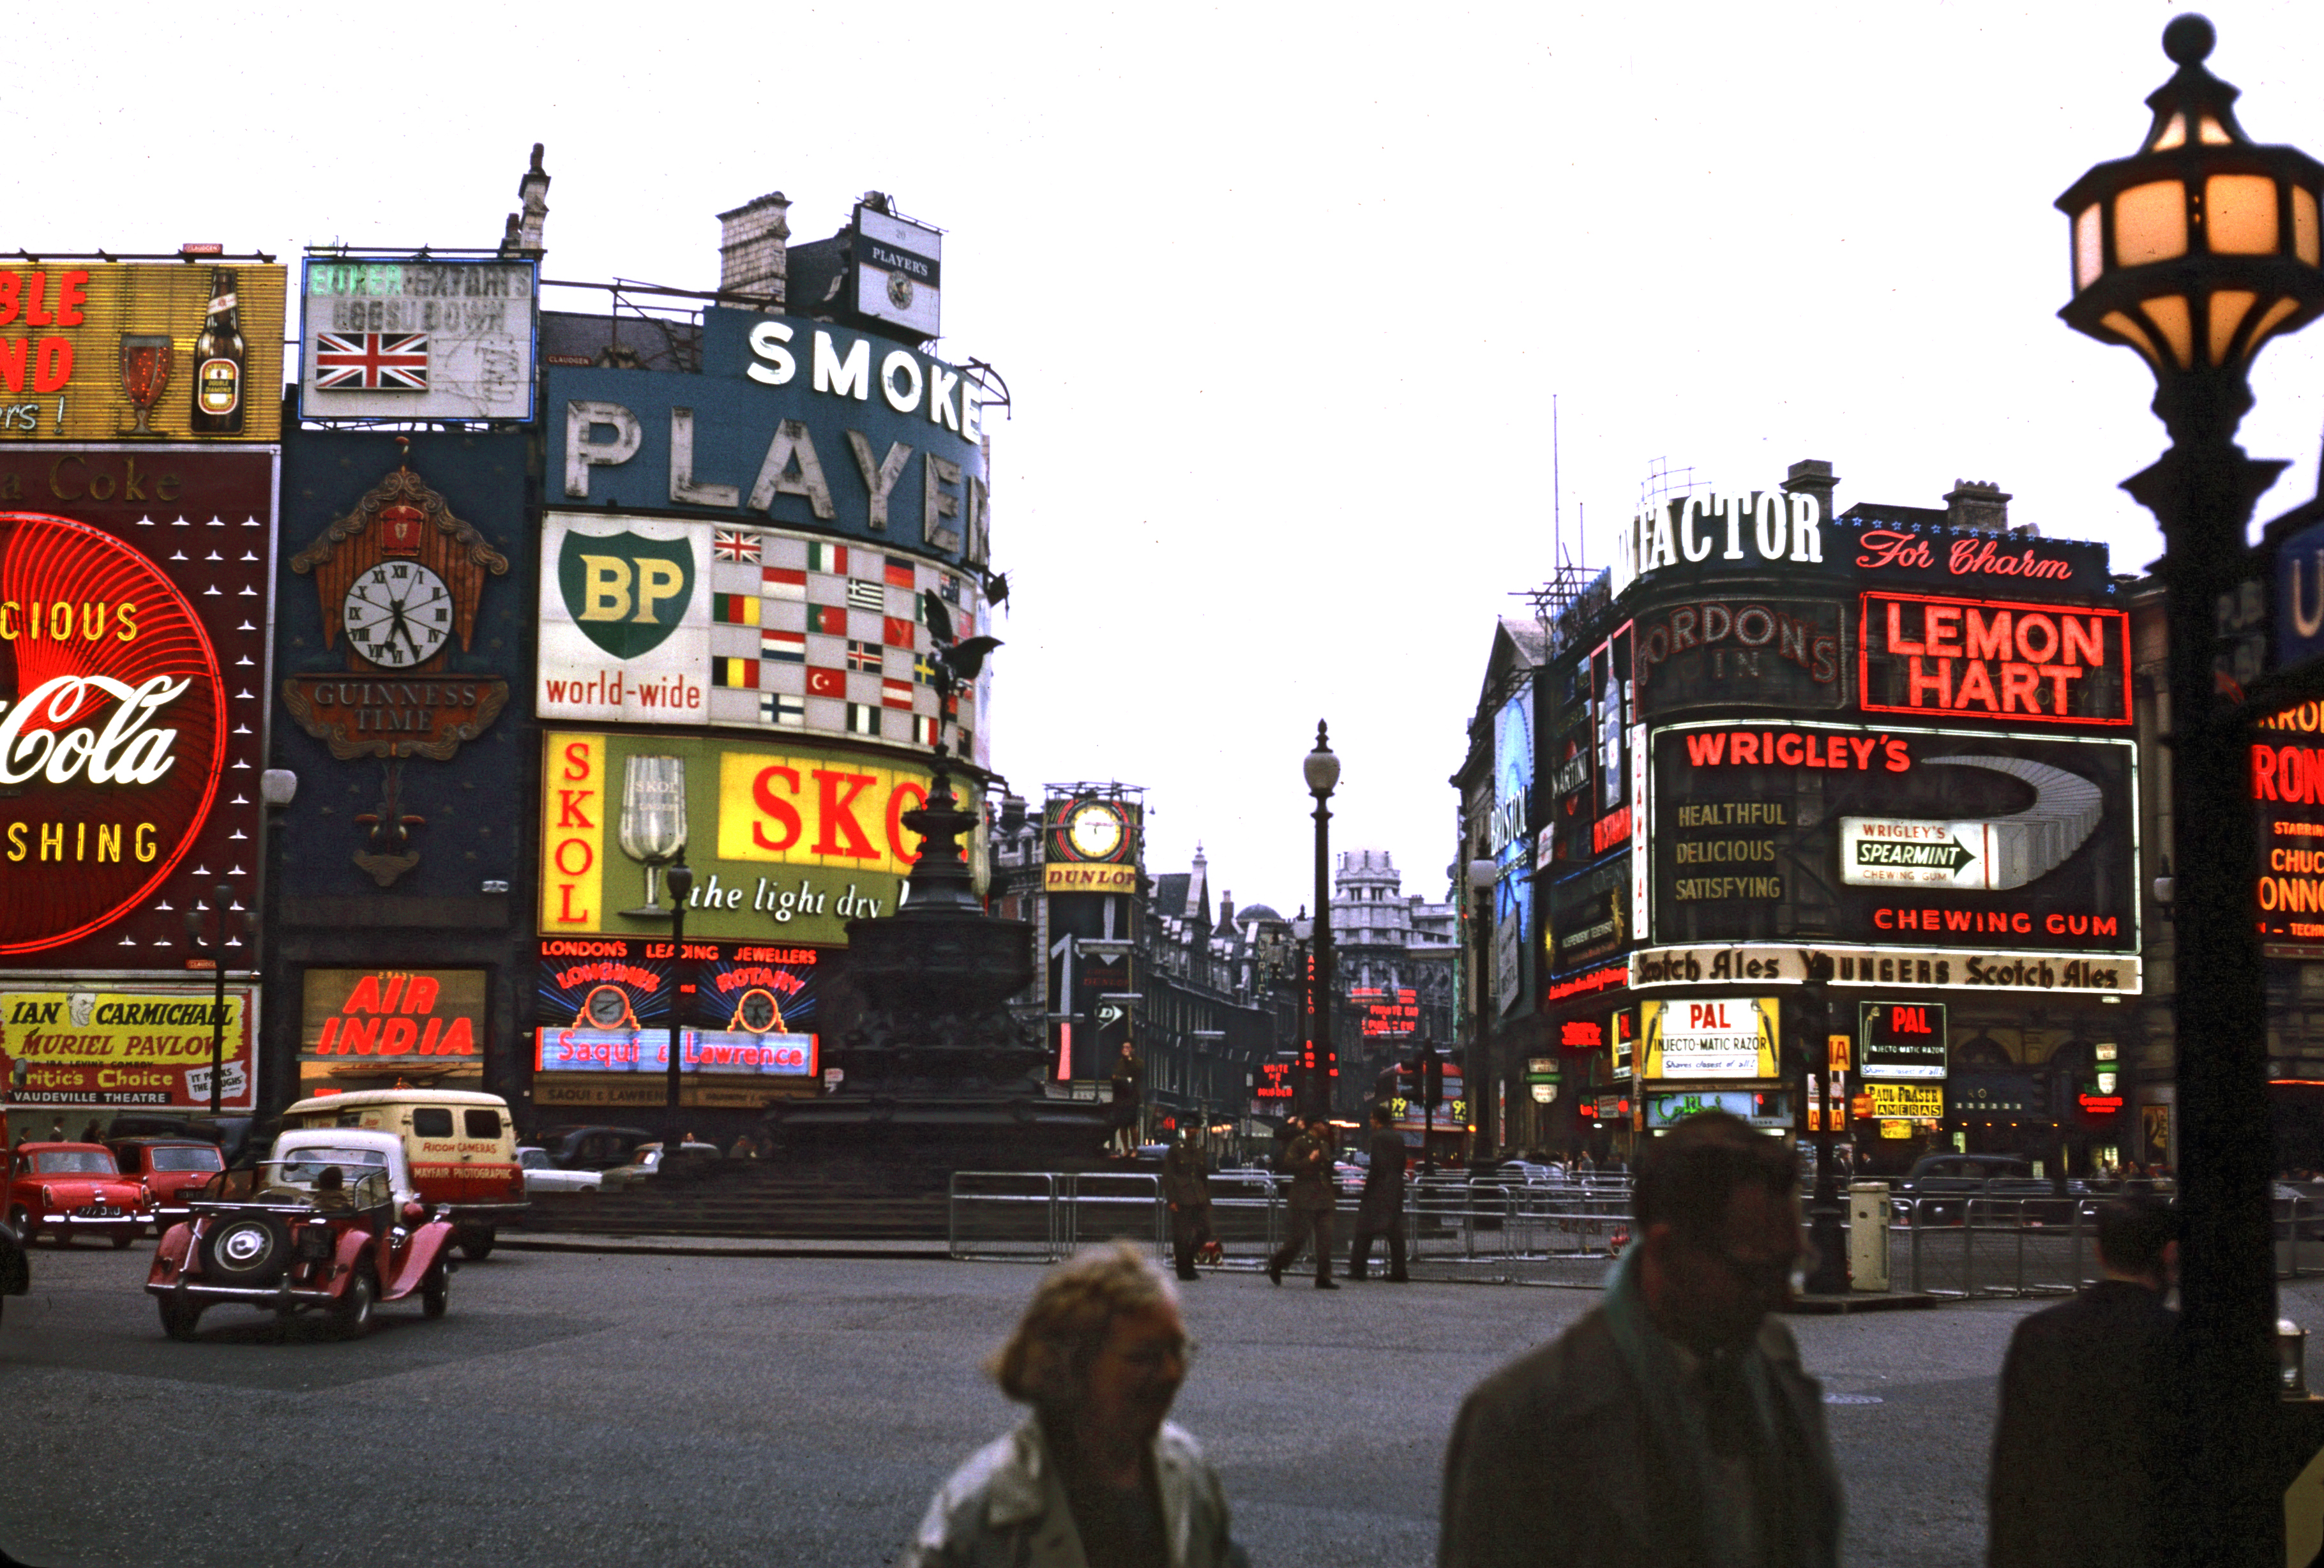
(1257, 789)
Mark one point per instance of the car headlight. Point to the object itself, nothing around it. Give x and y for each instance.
(48, 1198)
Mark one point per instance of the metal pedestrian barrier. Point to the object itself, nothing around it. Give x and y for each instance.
(1456, 1228)
(1957, 1247)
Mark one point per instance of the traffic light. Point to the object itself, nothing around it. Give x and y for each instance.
(1428, 1076)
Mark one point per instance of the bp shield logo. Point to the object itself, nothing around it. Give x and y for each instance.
(627, 594)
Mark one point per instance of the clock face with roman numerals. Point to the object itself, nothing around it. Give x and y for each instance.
(398, 615)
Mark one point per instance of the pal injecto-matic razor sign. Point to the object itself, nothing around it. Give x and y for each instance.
(1970, 850)
(791, 422)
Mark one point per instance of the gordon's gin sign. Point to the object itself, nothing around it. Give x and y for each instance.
(132, 670)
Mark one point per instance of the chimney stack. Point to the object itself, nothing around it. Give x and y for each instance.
(1812, 477)
(521, 236)
(1977, 503)
(751, 259)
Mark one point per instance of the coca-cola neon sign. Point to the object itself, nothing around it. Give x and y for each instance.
(113, 730)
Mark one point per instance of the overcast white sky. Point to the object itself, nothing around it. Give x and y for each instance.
(1283, 293)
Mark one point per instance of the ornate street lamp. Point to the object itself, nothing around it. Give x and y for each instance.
(2195, 251)
(1321, 768)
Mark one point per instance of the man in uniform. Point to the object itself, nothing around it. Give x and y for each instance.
(1381, 1211)
(1186, 1188)
(1312, 1202)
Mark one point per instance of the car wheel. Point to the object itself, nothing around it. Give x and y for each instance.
(178, 1321)
(436, 1291)
(477, 1245)
(21, 1223)
(352, 1315)
(249, 1250)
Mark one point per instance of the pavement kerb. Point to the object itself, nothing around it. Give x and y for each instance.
(719, 1246)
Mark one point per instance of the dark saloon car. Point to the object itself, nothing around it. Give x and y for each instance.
(2005, 1186)
(592, 1147)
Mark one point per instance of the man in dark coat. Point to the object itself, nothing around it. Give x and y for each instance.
(1128, 1086)
(1310, 1205)
(1187, 1189)
(1381, 1211)
(1675, 1412)
(2082, 1447)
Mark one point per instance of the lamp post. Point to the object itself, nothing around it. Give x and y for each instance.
(1477, 1073)
(1321, 768)
(1826, 1212)
(2195, 251)
(679, 878)
(204, 941)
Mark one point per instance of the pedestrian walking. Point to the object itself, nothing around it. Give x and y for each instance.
(1187, 1189)
(1129, 1088)
(2083, 1449)
(1095, 1476)
(1311, 1205)
(1381, 1211)
(1676, 1414)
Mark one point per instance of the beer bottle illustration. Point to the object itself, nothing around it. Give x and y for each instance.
(219, 358)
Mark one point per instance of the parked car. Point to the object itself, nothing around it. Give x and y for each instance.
(591, 1147)
(332, 1223)
(1943, 1184)
(234, 1135)
(67, 1190)
(461, 1145)
(172, 1170)
(692, 1161)
(541, 1176)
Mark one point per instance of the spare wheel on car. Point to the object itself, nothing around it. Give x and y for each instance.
(246, 1249)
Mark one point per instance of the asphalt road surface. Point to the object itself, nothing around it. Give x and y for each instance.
(576, 1410)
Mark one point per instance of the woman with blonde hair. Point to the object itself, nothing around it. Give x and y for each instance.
(1095, 1476)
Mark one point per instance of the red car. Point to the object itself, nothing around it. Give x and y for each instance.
(320, 1230)
(64, 1190)
(173, 1170)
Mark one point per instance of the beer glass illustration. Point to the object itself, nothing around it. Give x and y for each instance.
(145, 360)
(653, 823)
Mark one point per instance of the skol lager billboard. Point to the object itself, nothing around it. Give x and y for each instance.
(787, 842)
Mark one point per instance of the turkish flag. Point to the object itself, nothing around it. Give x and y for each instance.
(825, 682)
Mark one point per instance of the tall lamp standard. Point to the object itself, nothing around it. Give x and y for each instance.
(2195, 251)
(1322, 770)
(1477, 1073)
(679, 878)
(203, 940)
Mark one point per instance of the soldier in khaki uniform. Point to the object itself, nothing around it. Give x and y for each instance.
(1312, 1203)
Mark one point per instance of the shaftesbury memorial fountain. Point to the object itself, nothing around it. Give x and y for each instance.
(938, 1075)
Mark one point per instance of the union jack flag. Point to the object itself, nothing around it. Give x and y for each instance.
(370, 361)
(734, 544)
